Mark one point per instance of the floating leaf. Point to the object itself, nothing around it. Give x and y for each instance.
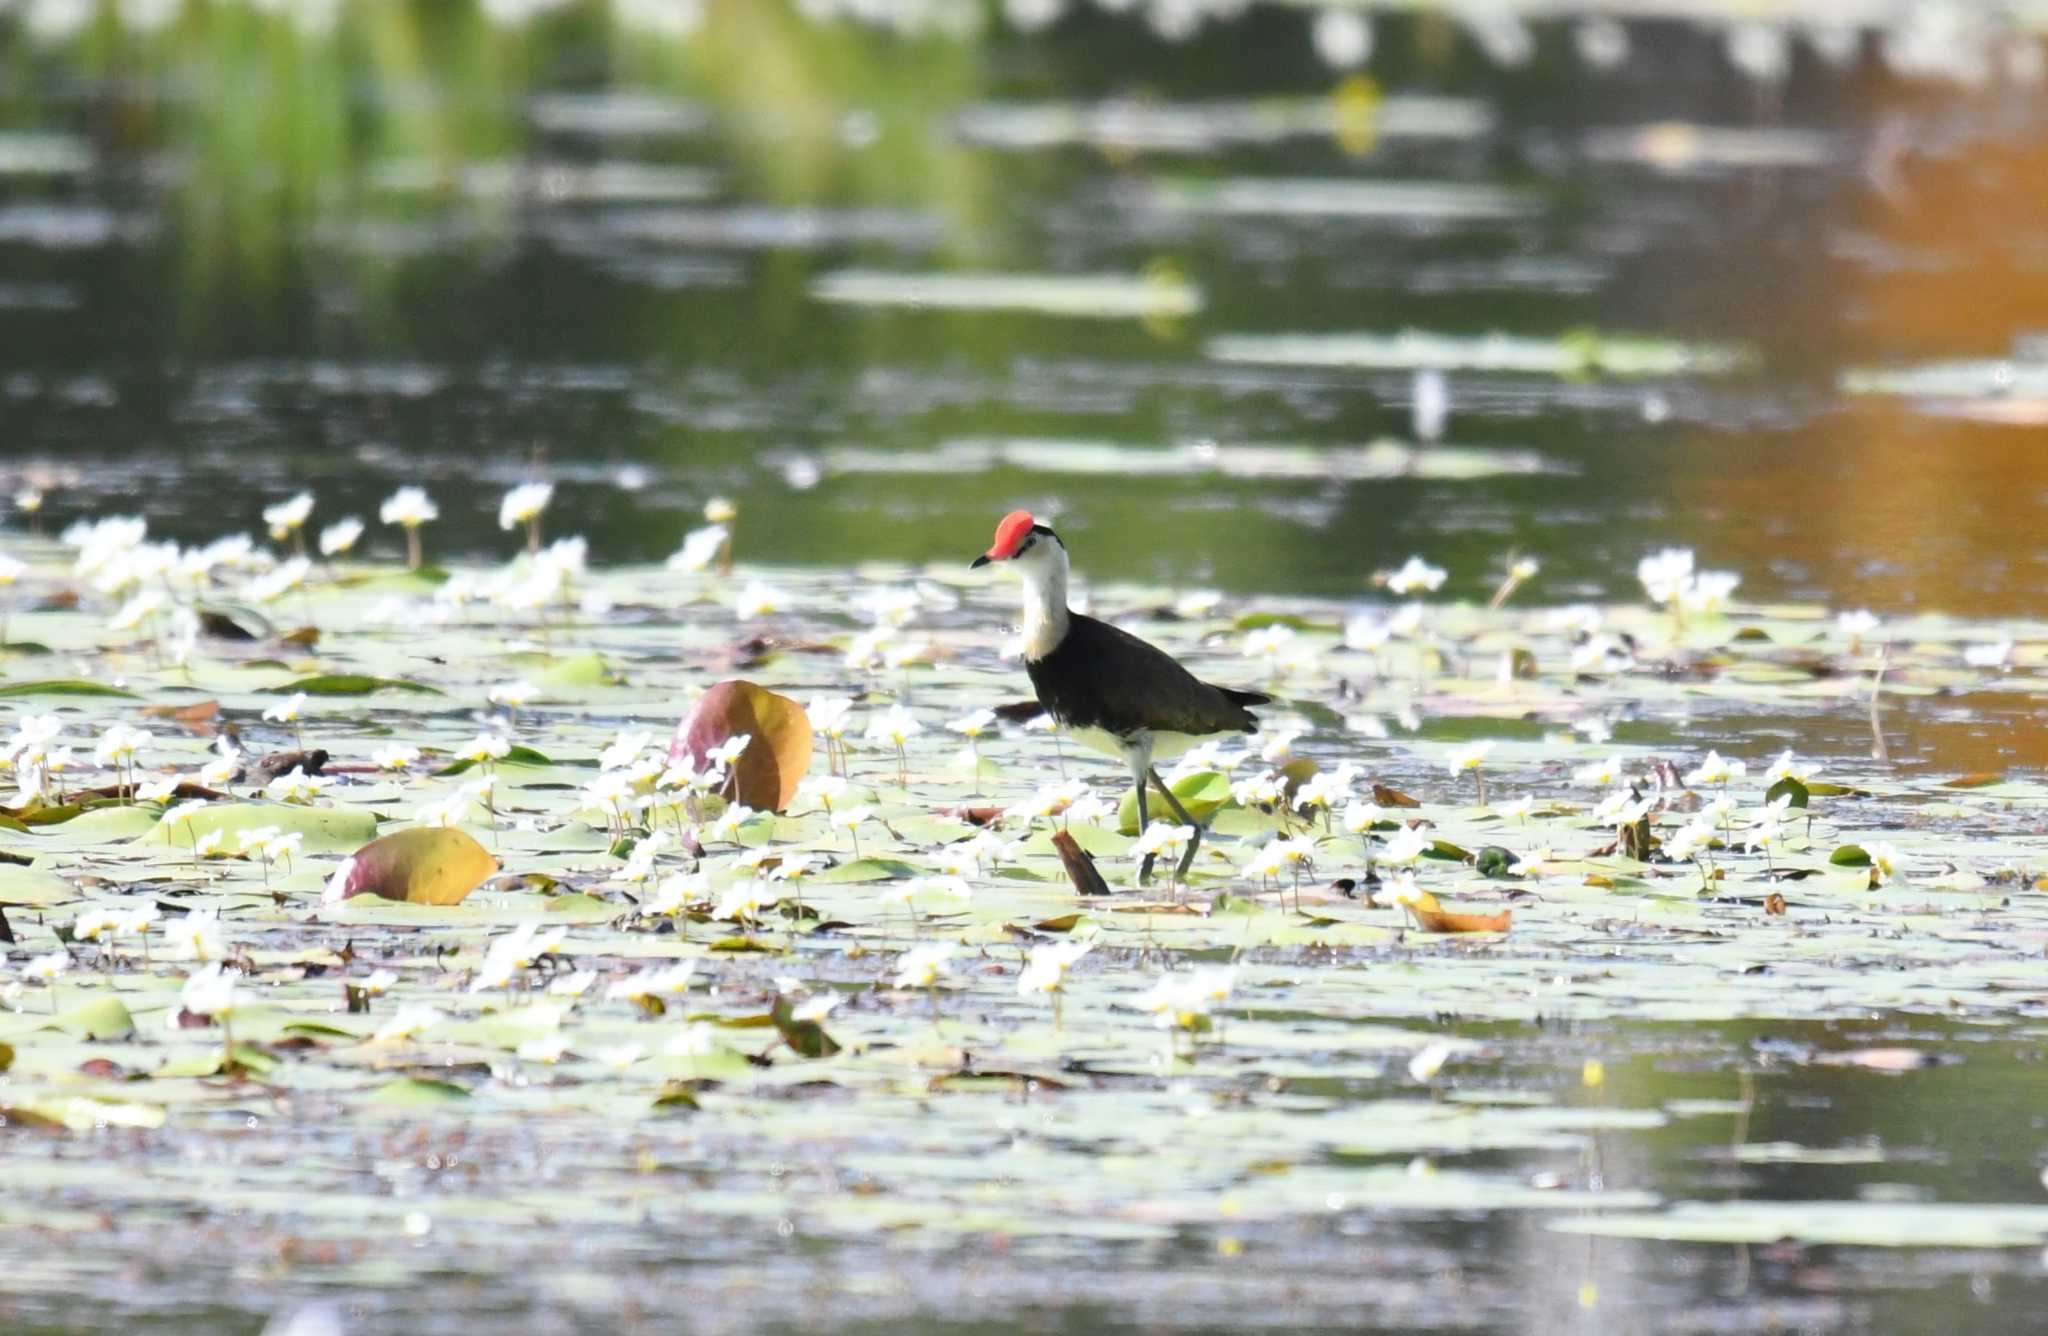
(28, 886)
(806, 1038)
(418, 1092)
(1850, 855)
(325, 829)
(424, 865)
(1788, 787)
(351, 684)
(79, 1113)
(63, 686)
(776, 759)
(102, 1017)
(517, 755)
(1431, 916)
(1203, 794)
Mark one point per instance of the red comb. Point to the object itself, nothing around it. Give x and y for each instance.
(1010, 534)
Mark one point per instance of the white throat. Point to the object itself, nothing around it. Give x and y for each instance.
(1044, 573)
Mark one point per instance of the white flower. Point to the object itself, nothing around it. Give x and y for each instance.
(208, 844)
(340, 536)
(377, 982)
(208, 991)
(288, 710)
(198, 935)
(523, 503)
(412, 1019)
(1716, 770)
(1163, 837)
(1416, 575)
(1687, 843)
(1993, 655)
(625, 750)
(700, 547)
(1268, 642)
(297, 786)
(1518, 811)
(654, 981)
(410, 507)
(283, 848)
(1708, 591)
(1524, 569)
(758, 600)
(1398, 889)
(1857, 624)
(158, 790)
(1788, 766)
(1467, 757)
(1184, 1001)
(286, 516)
(513, 695)
(727, 827)
(1600, 774)
(621, 1057)
(1324, 790)
(485, 747)
(720, 510)
(394, 756)
(119, 744)
(743, 901)
(894, 726)
(1046, 970)
(1423, 1067)
(1360, 817)
(729, 751)
(92, 923)
(973, 725)
(574, 984)
(1405, 848)
(547, 1048)
(47, 968)
(828, 715)
(137, 610)
(675, 893)
(923, 966)
(1884, 860)
(1666, 574)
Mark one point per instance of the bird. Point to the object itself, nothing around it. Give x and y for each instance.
(1106, 688)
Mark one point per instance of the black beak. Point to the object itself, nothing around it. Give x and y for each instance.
(978, 562)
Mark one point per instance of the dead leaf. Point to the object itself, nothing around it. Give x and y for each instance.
(1431, 916)
(426, 865)
(1387, 797)
(1080, 866)
(1774, 903)
(1975, 781)
(778, 755)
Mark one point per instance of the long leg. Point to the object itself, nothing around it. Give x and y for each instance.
(1144, 819)
(1137, 750)
(1187, 857)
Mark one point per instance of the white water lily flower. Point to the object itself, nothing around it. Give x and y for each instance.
(46, 969)
(620, 1058)
(394, 756)
(824, 790)
(1423, 1067)
(1323, 790)
(286, 516)
(119, 744)
(1884, 861)
(256, 837)
(1623, 808)
(1519, 810)
(138, 920)
(1994, 655)
(1689, 841)
(1717, 770)
(340, 536)
(758, 600)
(1600, 774)
(377, 982)
(160, 789)
(285, 847)
(198, 935)
(1467, 757)
(574, 984)
(1185, 1001)
(1405, 847)
(513, 695)
(297, 786)
(624, 750)
(829, 715)
(412, 1020)
(208, 844)
(973, 725)
(1163, 837)
(700, 548)
(524, 504)
(696, 1040)
(743, 901)
(288, 710)
(656, 981)
(675, 893)
(1046, 971)
(923, 966)
(894, 726)
(1787, 766)
(727, 827)
(485, 747)
(1416, 576)
(92, 924)
(1398, 889)
(1858, 624)
(547, 1048)
(409, 507)
(208, 991)
(1666, 574)
(729, 751)
(137, 610)
(1361, 817)
(1708, 591)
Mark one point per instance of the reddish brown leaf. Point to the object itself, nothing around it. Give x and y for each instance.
(774, 762)
(1387, 797)
(426, 865)
(1430, 916)
(1080, 866)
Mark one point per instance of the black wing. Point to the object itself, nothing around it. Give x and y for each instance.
(1101, 677)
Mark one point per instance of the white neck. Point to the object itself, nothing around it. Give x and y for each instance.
(1044, 572)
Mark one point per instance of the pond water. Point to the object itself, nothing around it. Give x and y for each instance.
(1239, 309)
